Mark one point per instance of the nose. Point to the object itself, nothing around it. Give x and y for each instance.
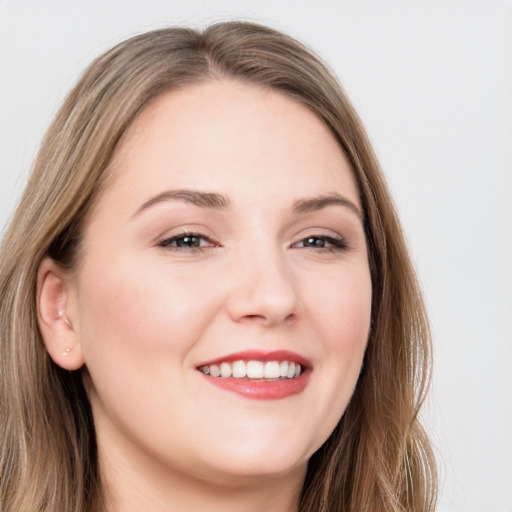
(264, 290)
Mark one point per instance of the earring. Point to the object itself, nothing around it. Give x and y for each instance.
(66, 352)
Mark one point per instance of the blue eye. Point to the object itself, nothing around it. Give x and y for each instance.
(187, 242)
(323, 242)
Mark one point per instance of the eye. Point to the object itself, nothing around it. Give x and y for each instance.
(187, 242)
(325, 242)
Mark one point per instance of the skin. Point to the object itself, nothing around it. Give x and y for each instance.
(139, 317)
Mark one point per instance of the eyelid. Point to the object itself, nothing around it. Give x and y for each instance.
(165, 241)
(337, 242)
(334, 241)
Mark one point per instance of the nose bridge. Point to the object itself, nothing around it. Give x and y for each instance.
(264, 288)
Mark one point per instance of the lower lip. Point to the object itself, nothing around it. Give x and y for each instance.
(261, 389)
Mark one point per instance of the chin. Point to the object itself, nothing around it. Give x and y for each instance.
(264, 445)
(252, 471)
(260, 457)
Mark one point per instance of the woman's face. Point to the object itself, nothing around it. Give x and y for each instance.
(230, 240)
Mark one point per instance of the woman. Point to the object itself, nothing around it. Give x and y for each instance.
(206, 300)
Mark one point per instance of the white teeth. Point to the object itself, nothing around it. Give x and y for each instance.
(225, 370)
(254, 370)
(214, 370)
(271, 370)
(239, 369)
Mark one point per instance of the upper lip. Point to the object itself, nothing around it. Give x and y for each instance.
(260, 355)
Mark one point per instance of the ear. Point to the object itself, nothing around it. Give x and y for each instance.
(57, 317)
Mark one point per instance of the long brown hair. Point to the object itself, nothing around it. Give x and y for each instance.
(378, 458)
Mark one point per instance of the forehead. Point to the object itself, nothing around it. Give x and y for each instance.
(246, 139)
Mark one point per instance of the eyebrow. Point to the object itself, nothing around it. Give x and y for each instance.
(201, 199)
(317, 203)
(220, 202)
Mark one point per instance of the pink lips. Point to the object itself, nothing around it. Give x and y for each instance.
(262, 389)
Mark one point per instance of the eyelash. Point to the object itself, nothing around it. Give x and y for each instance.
(335, 244)
(166, 242)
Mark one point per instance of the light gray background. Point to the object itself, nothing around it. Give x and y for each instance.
(432, 80)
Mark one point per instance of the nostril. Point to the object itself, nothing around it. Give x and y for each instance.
(263, 293)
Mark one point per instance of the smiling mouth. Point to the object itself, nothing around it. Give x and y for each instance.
(254, 370)
(259, 375)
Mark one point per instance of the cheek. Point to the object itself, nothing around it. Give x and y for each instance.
(338, 308)
(341, 304)
(148, 312)
(341, 307)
